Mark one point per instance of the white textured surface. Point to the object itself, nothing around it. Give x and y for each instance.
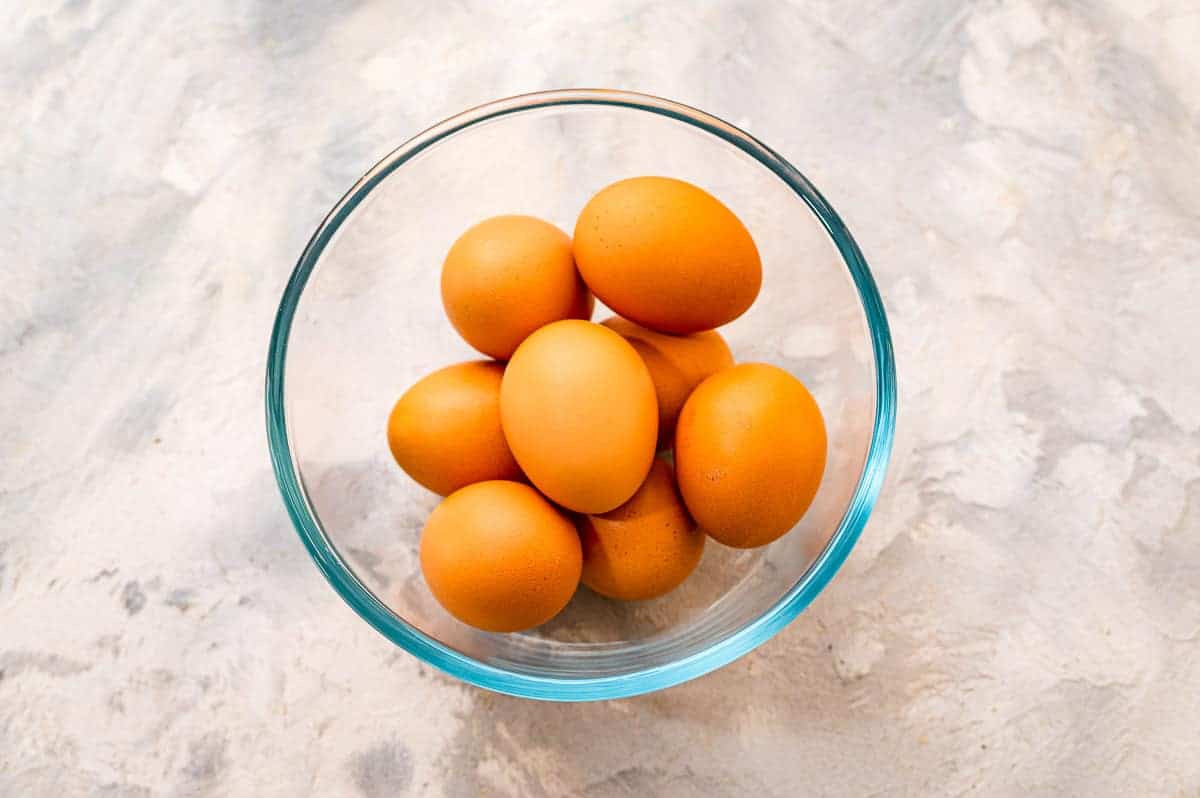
(1023, 613)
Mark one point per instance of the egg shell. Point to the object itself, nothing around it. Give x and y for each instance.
(667, 255)
(507, 276)
(499, 557)
(445, 430)
(677, 364)
(578, 409)
(646, 547)
(750, 450)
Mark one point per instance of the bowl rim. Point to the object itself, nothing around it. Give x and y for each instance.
(553, 688)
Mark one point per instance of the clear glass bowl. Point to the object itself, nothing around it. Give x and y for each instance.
(361, 320)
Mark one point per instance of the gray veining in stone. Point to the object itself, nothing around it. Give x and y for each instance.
(1022, 615)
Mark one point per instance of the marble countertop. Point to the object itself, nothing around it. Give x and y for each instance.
(1022, 615)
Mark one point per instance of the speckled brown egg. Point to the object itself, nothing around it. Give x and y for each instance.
(667, 254)
(646, 547)
(749, 453)
(677, 364)
(499, 557)
(506, 277)
(578, 409)
(445, 430)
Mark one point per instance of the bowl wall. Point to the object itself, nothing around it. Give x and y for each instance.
(367, 322)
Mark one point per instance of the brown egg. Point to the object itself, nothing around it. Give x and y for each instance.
(578, 409)
(499, 557)
(507, 276)
(667, 254)
(445, 430)
(644, 548)
(677, 364)
(749, 453)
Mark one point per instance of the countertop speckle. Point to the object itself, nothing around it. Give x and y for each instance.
(1022, 615)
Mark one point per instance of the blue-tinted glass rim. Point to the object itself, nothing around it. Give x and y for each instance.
(722, 651)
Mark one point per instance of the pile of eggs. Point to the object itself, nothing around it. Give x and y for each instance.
(601, 453)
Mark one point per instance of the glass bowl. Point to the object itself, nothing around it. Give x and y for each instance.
(361, 320)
